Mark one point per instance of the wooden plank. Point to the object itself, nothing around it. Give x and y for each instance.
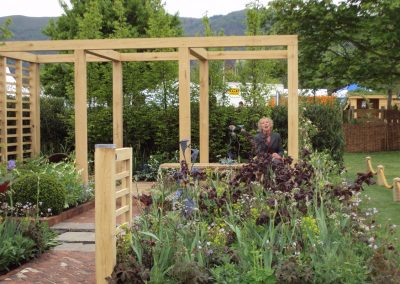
(123, 154)
(203, 166)
(35, 108)
(293, 103)
(247, 54)
(149, 56)
(169, 56)
(3, 107)
(105, 219)
(117, 105)
(145, 43)
(25, 56)
(106, 54)
(121, 175)
(199, 53)
(122, 192)
(18, 72)
(184, 100)
(204, 112)
(67, 58)
(81, 142)
(396, 189)
(121, 210)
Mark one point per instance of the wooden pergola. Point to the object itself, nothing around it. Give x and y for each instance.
(20, 112)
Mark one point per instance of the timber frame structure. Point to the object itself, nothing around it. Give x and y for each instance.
(20, 111)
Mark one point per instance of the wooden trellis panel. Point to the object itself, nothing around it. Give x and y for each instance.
(17, 109)
(113, 187)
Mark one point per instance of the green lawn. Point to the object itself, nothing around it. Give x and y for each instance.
(381, 198)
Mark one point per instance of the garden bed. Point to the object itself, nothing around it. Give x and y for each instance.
(72, 212)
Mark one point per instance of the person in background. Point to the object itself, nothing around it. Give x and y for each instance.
(267, 141)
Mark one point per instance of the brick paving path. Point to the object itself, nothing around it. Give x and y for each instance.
(55, 267)
(58, 266)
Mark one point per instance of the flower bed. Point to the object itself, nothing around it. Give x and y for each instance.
(269, 223)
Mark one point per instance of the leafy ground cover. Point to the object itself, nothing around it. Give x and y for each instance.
(376, 196)
(267, 223)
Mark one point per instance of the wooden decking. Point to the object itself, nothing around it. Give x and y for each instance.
(204, 166)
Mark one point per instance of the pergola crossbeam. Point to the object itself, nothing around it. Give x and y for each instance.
(149, 43)
(106, 54)
(199, 53)
(25, 56)
(247, 54)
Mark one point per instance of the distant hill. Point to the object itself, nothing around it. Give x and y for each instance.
(30, 28)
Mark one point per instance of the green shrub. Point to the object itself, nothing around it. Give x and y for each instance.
(329, 122)
(14, 247)
(42, 189)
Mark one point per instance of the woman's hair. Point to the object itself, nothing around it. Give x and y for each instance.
(265, 118)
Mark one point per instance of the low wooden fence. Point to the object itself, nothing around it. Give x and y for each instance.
(381, 179)
(113, 198)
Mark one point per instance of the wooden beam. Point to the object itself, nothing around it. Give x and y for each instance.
(35, 108)
(81, 140)
(25, 56)
(18, 107)
(149, 56)
(117, 104)
(247, 54)
(169, 56)
(145, 43)
(199, 53)
(184, 100)
(105, 220)
(204, 112)
(3, 109)
(106, 54)
(293, 103)
(67, 58)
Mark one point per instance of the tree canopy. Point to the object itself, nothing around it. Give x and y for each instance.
(341, 43)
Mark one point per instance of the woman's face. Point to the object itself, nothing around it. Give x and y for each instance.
(265, 125)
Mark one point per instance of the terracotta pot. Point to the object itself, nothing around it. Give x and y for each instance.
(4, 186)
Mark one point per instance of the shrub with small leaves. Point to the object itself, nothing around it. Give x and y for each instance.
(41, 189)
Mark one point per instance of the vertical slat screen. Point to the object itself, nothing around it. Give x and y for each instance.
(16, 108)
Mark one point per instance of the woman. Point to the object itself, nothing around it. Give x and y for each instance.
(267, 141)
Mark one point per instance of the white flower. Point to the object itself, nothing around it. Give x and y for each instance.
(371, 240)
(199, 247)
(208, 243)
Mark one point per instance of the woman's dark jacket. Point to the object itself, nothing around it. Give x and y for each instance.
(275, 144)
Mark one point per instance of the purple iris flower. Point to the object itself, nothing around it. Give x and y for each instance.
(184, 144)
(195, 154)
(11, 165)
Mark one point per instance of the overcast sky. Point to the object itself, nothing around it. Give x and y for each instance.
(185, 8)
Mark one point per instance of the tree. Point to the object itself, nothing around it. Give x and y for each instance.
(355, 40)
(5, 32)
(255, 74)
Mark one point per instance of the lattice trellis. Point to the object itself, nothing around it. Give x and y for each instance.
(19, 103)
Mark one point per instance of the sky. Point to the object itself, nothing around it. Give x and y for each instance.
(185, 8)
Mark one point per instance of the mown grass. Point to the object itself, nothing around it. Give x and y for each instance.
(379, 197)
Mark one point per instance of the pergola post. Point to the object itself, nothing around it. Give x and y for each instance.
(204, 112)
(184, 100)
(81, 140)
(3, 108)
(117, 104)
(35, 110)
(293, 102)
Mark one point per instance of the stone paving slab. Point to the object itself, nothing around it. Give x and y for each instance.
(74, 227)
(76, 237)
(75, 247)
